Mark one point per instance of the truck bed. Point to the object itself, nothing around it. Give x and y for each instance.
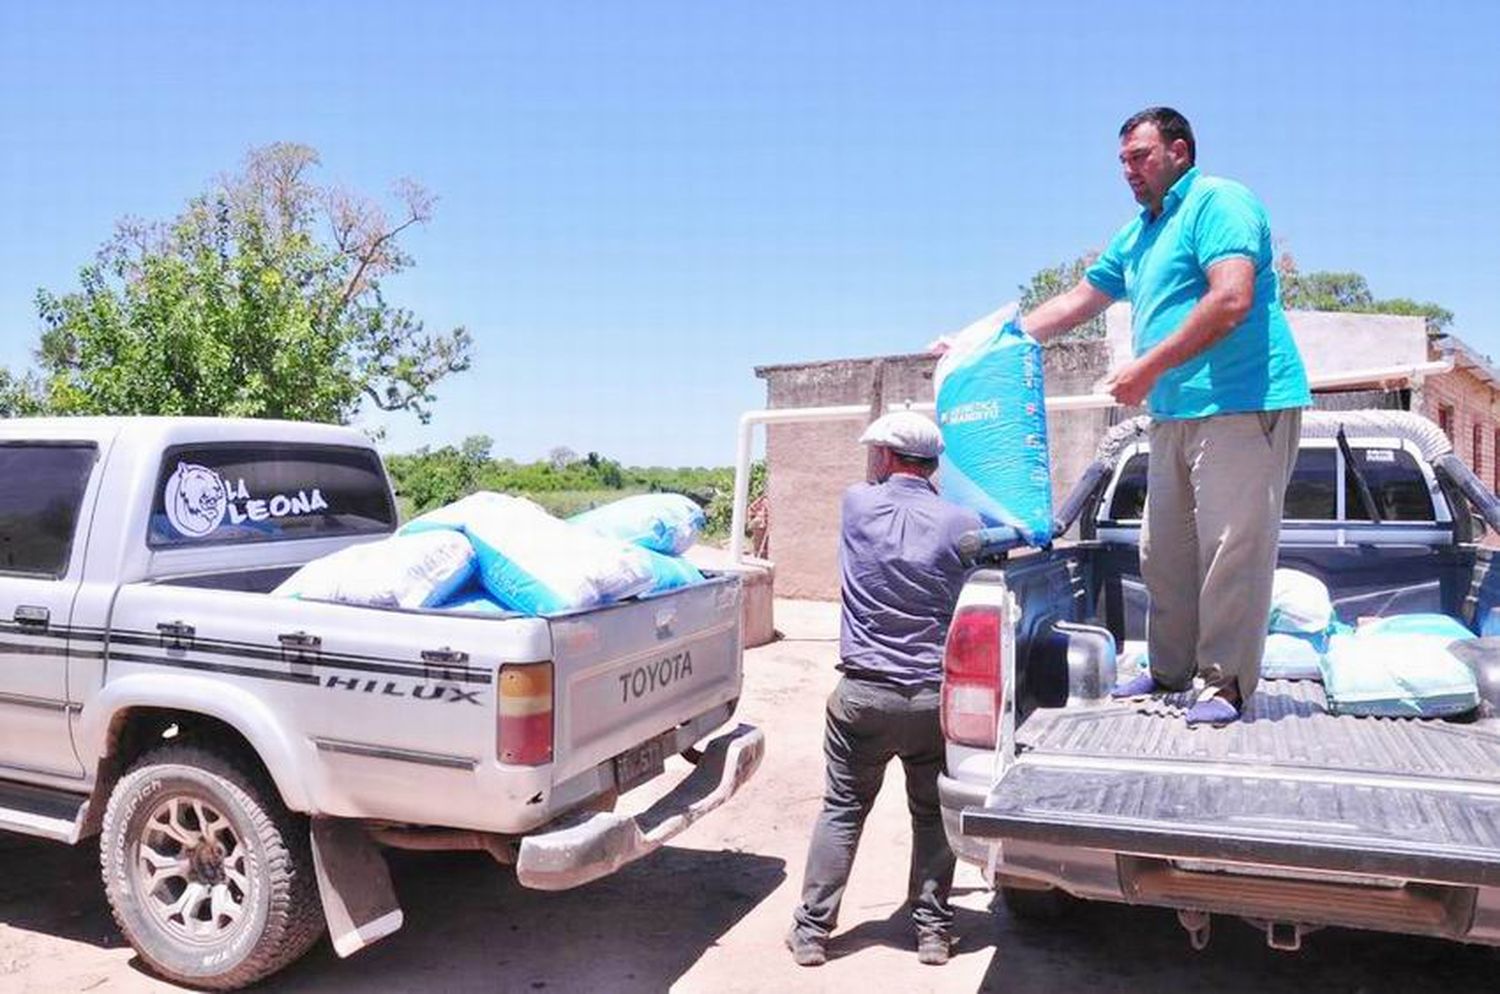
(1286, 724)
(1290, 785)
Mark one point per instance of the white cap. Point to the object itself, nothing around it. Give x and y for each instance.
(906, 432)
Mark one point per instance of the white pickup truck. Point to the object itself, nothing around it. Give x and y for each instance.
(1295, 818)
(244, 756)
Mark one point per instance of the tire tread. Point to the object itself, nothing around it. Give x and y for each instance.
(294, 916)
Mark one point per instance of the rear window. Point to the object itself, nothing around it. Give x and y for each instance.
(1396, 484)
(225, 493)
(41, 490)
(1394, 477)
(1129, 503)
(1312, 494)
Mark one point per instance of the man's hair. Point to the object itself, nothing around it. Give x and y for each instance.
(1169, 124)
(915, 463)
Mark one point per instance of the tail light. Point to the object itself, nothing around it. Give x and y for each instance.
(523, 735)
(971, 676)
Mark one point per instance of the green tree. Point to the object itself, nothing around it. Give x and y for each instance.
(1329, 291)
(19, 396)
(1049, 282)
(263, 298)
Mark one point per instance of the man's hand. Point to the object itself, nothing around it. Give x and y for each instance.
(1129, 384)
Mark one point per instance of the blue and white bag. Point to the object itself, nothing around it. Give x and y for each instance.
(665, 523)
(536, 564)
(992, 411)
(402, 571)
(1397, 676)
(1293, 657)
(1300, 604)
(671, 572)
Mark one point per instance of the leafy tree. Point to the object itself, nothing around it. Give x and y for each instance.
(1328, 291)
(1049, 282)
(263, 298)
(19, 397)
(429, 478)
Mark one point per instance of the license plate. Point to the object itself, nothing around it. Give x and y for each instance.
(635, 766)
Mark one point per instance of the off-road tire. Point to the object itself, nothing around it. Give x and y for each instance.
(1037, 905)
(264, 875)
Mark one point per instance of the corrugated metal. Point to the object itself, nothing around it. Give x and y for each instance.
(1400, 830)
(1286, 724)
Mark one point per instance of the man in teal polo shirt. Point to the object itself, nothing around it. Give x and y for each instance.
(1216, 366)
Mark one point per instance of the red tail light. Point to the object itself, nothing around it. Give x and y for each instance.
(524, 735)
(971, 676)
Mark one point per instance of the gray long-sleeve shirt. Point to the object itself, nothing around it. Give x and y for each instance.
(898, 556)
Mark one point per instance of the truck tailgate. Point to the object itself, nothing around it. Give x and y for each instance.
(629, 672)
(1290, 785)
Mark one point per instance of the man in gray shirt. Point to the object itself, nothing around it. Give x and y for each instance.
(901, 575)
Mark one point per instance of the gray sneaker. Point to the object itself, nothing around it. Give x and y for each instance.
(806, 952)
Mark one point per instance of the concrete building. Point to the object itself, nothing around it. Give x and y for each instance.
(809, 465)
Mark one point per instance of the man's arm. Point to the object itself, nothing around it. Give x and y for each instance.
(1231, 289)
(1065, 311)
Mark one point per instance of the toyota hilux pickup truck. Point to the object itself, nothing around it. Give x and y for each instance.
(1293, 818)
(243, 757)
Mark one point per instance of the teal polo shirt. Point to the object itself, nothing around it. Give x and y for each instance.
(1161, 264)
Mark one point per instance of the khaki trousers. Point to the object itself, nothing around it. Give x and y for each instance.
(1214, 493)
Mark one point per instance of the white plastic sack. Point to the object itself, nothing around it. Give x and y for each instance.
(1417, 624)
(534, 563)
(1299, 603)
(992, 412)
(402, 571)
(665, 523)
(1292, 657)
(1397, 676)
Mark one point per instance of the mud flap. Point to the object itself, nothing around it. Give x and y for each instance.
(355, 885)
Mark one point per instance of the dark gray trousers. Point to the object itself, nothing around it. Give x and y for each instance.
(869, 724)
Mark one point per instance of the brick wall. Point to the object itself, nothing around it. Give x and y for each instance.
(1469, 403)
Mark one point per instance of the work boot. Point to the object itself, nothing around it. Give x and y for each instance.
(934, 948)
(805, 951)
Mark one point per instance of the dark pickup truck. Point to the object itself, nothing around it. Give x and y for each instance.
(1293, 818)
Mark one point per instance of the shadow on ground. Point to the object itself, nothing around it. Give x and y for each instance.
(1103, 948)
(55, 889)
(469, 925)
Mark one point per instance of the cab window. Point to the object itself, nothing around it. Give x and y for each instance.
(41, 491)
(232, 493)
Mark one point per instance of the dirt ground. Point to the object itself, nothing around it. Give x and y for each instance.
(708, 913)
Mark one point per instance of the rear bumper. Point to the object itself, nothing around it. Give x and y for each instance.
(590, 846)
(954, 796)
(1212, 857)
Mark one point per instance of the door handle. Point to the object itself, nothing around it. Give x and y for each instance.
(300, 640)
(436, 661)
(31, 616)
(176, 634)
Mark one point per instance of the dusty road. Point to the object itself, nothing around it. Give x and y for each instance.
(708, 914)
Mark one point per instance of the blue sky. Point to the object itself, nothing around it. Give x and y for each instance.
(640, 202)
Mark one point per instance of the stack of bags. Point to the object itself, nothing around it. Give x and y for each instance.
(1301, 625)
(493, 552)
(1400, 666)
